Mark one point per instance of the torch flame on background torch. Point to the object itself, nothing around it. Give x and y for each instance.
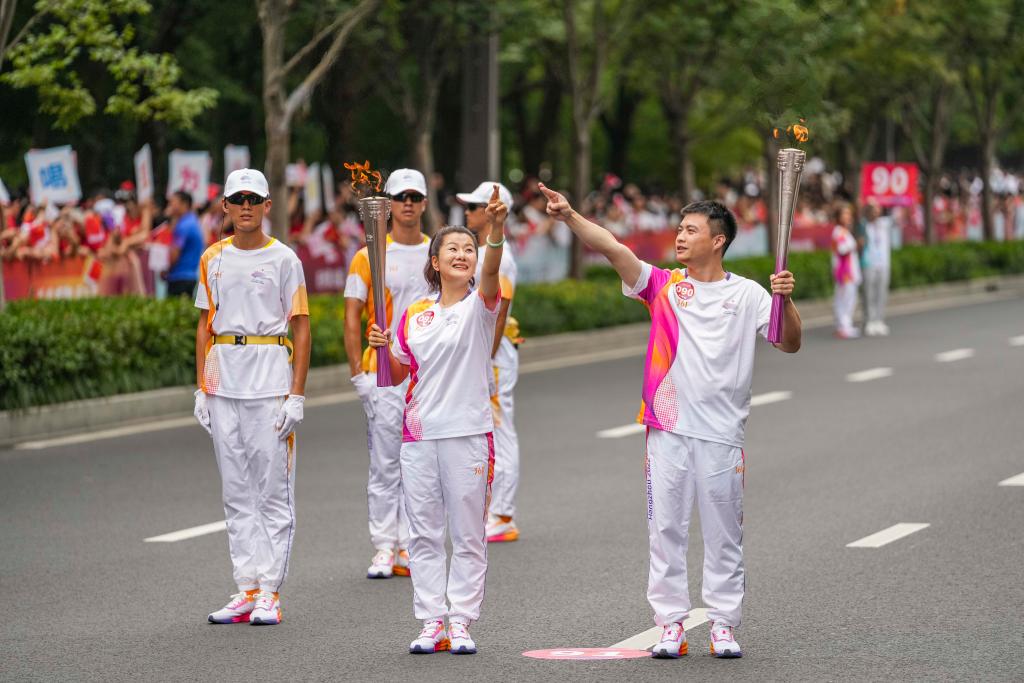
(796, 132)
(363, 175)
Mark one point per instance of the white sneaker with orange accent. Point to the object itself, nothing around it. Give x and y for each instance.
(673, 643)
(501, 529)
(433, 638)
(237, 610)
(723, 644)
(267, 611)
(462, 643)
(382, 565)
(401, 566)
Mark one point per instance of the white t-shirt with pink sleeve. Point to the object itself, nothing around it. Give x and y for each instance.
(448, 351)
(700, 355)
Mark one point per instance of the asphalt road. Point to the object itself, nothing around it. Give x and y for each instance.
(87, 599)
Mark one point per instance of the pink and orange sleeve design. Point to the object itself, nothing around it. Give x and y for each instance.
(660, 408)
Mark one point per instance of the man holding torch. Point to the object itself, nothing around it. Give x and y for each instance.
(696, 399)
(404, 284)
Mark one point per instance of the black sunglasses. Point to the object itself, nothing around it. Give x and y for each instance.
(414, 197)
(473, 207)
(240, 198)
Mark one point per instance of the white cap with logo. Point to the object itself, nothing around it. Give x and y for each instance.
(482, 194)
(246, 180)
(404, 179)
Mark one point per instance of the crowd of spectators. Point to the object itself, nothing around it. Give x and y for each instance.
(144, 247)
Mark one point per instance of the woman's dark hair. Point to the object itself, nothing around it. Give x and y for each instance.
(432, 276)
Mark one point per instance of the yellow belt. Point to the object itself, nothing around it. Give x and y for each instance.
(246, 340)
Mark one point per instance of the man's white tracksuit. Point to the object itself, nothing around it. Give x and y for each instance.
(389, 526)
(257, 471)
(506, 440)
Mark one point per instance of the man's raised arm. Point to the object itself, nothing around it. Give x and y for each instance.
(624, 261)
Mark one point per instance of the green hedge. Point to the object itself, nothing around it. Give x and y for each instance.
(55, 351)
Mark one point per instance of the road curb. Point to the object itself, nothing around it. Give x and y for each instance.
(536, 355)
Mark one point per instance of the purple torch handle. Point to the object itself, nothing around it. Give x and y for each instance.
(383, 357)
(778, 303)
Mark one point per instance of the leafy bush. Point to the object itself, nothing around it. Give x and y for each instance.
(55, 351)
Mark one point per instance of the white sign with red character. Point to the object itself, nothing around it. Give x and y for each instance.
(189, 172)
(144, 174)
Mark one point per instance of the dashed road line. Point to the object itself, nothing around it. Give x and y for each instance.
(770, 397)
(954, 355)
(1013, 481)
(145, 427)
(868, 375)
(630, 429)
(191, 532)
(1017, 341)
(650, 637)
(887, 536)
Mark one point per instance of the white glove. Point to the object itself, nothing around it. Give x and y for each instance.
(202, 412)
(366, 385)
(290, 416)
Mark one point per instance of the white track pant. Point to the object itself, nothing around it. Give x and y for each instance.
(389, 527)
(448, 478)
(679, 469)
(876, 293)
(844, 304)
(257, 471)
(506, 440)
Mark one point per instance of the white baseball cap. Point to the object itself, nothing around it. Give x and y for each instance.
(246, 180)
(404, 179)
(482, 194)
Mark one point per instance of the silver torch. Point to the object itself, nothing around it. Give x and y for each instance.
(375, 212)
(791, 167)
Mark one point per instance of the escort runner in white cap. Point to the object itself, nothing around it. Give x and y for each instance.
(696, 399)
(444, 345)
(501, 526)
(404, 283)
(251, 384)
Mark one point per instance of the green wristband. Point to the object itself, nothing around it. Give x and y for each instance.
(495, 245)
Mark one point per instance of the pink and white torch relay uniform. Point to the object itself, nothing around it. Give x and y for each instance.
(696, 399)
(448, 450)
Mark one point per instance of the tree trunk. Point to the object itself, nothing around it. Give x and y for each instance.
(423, 160)
(685, 175)
(620, 129)
(988, 162)
(771, 189)
(278, 153)
(582, 151)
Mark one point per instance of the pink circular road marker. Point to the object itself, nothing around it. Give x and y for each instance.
(587, 653)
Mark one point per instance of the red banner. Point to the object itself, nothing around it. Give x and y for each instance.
(70, 278)
(889, 184)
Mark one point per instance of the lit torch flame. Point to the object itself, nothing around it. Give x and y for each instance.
(363, 175)
(797, 132)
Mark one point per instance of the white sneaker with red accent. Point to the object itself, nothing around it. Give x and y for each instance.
(401, 566)
(462, 643)
(723, 644)
(673, 643)
(433, 638)
(236, 611)
(267, 611)
(382, 565)
(501, 529)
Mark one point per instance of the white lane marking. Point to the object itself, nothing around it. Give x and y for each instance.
(1013, 481)
(192, 532)
(954, 355)
(650, 637)
(886, 536)
(630, 429)
(770, 397)
(581, 359)
(868, 375)
(108, 433)
(619, 432)
(1017, 341)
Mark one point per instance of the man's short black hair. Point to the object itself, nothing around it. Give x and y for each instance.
(720, 219)
(185, 198)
